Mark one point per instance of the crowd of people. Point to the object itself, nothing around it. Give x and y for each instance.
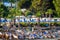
(21, 34)
(14, 32)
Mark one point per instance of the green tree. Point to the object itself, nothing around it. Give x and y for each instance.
(3, 11)
(20, 2)
(28, 13)
(36, 4)
(38, 14)
(18, 12)
(49, 12)
(41, 5)
(57, 6)
(14, 12)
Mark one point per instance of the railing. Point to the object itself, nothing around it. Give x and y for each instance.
(32, 20)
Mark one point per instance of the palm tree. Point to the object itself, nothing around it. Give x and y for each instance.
(49, 11)
(46, 14)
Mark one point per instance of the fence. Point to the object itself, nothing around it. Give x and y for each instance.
(32, 20)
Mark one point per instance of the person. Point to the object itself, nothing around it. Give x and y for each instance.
(49, 35)
(20, 36)
(33, 35)
(15, 36)
(10, 35)
(54, 34)
(5, 27)
(13, 28)
(0, 34)
(45, 32)
(40, 36)
(6, 36)
(58, 39)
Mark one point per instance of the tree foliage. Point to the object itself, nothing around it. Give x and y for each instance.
(3, 11)
(36, 7)
(57, 6)
(21, 2)
(38, 14)
(14, 12)
(28, 13)
(36, 4)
